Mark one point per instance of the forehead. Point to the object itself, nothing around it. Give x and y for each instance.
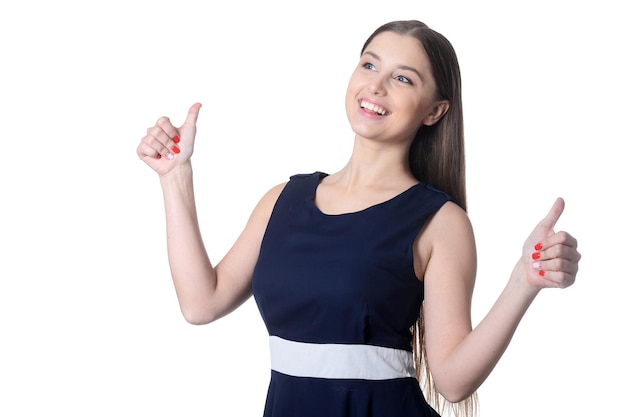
(396, 49)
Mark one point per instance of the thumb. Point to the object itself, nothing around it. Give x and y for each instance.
(192, 115)
(554, 214)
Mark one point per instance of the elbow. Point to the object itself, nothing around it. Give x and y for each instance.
(196, 321)
(196, 317)
(453, 390)
(455, 396)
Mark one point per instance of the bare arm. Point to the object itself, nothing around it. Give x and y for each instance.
(461, 358)
(205, 293)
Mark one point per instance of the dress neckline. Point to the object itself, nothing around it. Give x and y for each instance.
(321, 175)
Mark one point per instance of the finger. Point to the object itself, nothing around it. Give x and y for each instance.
(554, 214)
(163, 137)
(144, 150)
(192, 115)
(557, 264)
(558, 279)
(160, 142)
(560, 268)
(560, 245)
(170, 131)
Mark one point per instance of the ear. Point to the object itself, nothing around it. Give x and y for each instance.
(440, 108)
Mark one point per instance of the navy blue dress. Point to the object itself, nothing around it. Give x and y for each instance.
(338, 294)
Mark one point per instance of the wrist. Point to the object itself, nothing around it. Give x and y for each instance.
(522, 282)
(179, 178)
(180, 172)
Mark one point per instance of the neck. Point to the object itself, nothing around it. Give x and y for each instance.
(377, 165)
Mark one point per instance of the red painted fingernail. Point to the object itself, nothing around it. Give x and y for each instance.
(536, 255)
(542, 272)
(538, 246)
(175, 149)
(176, 139)
(158, 156)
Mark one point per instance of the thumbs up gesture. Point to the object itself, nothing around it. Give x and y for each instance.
(165, 146)
(551, 258)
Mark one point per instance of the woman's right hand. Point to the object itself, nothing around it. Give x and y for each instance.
(165, 146)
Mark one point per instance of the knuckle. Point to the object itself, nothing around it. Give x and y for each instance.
(163, 121)
(556, 251)
(560, 264)
(142, 150)
(154, 131)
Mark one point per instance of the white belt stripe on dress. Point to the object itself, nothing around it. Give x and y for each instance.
(339, 361)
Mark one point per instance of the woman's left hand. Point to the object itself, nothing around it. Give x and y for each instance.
(551, 258)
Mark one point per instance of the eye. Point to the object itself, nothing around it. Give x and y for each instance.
(369, 66)
(403, 79)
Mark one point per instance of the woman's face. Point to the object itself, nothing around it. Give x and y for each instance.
(392, 91)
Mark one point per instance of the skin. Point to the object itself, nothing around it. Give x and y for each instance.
(393, 74)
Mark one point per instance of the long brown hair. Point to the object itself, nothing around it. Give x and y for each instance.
(437, 157)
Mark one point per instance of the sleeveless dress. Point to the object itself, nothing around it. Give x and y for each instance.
(338, 295)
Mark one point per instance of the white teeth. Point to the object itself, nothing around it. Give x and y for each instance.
(369, 106)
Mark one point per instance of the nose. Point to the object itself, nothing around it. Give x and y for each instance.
(377, 86)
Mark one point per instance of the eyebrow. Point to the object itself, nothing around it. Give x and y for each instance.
(402, 67)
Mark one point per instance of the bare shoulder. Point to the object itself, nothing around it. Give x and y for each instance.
(450, 230)
(264, 207)
(246, 248)
(448, 235)
(270, 197)
(449, 219)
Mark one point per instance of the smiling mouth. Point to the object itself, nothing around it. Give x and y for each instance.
(373, 107)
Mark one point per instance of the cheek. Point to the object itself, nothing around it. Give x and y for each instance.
(419, 111)
(352, 92)
(352, 87)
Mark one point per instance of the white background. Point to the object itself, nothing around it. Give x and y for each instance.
(89, 322)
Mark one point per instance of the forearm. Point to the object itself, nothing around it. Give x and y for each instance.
(192, 272)
(471, 362)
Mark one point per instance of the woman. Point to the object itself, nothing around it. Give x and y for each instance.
(343, 266)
